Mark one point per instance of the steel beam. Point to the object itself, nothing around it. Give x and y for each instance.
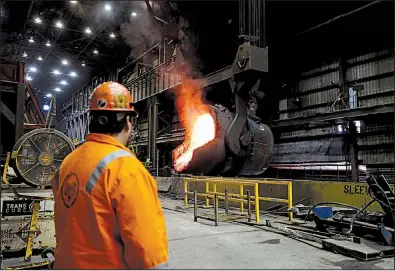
(332, 116)
(216, 77)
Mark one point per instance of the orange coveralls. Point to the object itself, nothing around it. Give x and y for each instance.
(107, 211)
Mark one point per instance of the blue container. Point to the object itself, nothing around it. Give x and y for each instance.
(323, 212)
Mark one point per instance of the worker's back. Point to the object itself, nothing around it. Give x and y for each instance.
(107, 212)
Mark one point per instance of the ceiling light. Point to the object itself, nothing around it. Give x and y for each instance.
(107, 7)
(59, 24)
(37, 20)
(28, 78)
(88, 30)
(24, 54)
(48, 44)
(112, 35)
(83, 64)
(40, 58)
(74, 2)
(73, 74)
(46, 107)
(56, 72)
(33, 69)
(134, 14)
(58, 89)
(65, 62)
(63, 82)
(49, 95)
(95, 51)
(31, 40)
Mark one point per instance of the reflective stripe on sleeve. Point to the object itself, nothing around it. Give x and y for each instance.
(162, 266)
(94, 177)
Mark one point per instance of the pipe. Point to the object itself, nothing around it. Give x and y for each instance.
(340, 17)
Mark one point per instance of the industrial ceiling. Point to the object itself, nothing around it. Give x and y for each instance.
(65, 43)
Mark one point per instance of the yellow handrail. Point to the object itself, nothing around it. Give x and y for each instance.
(240, 197)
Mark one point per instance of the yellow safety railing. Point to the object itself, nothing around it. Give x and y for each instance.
(240, 197)
(215, 182)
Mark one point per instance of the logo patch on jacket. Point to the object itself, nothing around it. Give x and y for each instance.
(70, 188)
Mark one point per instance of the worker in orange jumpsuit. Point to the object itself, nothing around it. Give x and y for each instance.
(107, 211)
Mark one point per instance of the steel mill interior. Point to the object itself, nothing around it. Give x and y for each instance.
(268, 126)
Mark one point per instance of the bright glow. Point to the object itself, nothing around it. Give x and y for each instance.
(83, 64)
(58, 89)
(40, 58)
(203, 131)
(48, 44)
(134, 14)
(28, 78)
(24, 54)
(74, 2)
(31, 40)
(112, 35)
(95, 51)
(88, 30)
(65, 62)
(63, 82)
(56, 72)
(358, 125)
(107, 7)
(46, 107)
(59, 24)
(33, 69)
(37, 20)
(73, 74)
(49, 95)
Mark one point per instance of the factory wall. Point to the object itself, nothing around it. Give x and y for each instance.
(320, 91)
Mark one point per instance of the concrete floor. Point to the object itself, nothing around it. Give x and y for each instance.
(201, 245)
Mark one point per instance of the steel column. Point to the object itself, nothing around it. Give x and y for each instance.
(353, 151)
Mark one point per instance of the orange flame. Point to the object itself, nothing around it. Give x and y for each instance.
(197, 120)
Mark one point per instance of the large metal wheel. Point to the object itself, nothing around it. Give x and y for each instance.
(38, 154)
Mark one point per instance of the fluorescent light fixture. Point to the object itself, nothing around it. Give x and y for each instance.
(65, 62)
(63, 82)
(48, 44)
(28, 78)
(37, 20)
(56, 72)
(24, 54)
(33, 69)
(46, 107)
(58, 89)
(112, 35)
(134, 14)
(73, 74)
(95, 51)
(49, 95)
(74, 2)
(88, 30)
(31, 40)
(59, 24)
(83, 64)
(40, 58)
(107, 7)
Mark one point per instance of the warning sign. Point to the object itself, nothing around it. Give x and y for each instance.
(24, 232)
(17, 207)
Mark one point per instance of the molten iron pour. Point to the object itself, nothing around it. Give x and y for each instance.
(218, 141)
(206, 152)
(203, 131)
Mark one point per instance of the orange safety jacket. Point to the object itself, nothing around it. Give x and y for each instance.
(107, 211)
